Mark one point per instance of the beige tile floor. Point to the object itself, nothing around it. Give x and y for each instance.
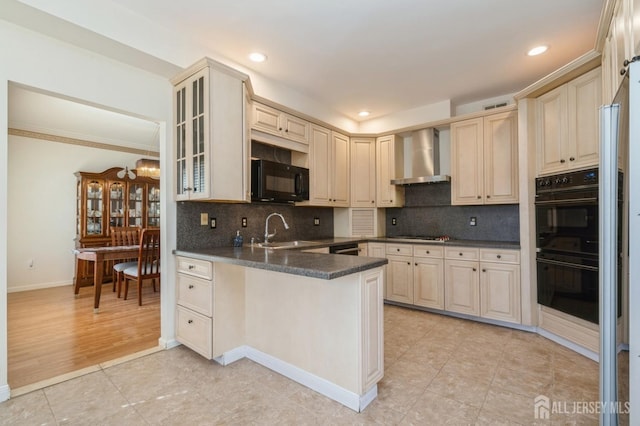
(438, 370)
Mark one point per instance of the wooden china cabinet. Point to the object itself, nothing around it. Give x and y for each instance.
(105, 200)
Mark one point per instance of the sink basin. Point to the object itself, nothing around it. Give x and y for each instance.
(284, 244)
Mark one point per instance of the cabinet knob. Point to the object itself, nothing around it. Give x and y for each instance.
(397, 249)
(459, 254)
(280, 128)
(499, 256)
(372, 201)
(488, 196)
(192, 267)
(416, 263)
(474, 269)
(572, 159)
(190, 322)
(562, 161)
(190, 286)
(479, 197)
(409, 263)
(484, 270)
(428, 252)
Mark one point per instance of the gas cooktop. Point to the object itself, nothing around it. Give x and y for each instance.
(436, 238)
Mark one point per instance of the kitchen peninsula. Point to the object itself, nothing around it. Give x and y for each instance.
(314, 318)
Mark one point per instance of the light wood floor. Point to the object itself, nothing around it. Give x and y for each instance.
(51, 332)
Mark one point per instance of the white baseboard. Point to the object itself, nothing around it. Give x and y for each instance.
(330, 390)
(5, 393)
(38, 286)
(168, 344)
(232, 356)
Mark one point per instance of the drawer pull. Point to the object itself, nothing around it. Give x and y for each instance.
(397, 249)
(460, 254)
(409, 263)
(190, 322)
(192, 267)
(484, 270)
(428, 252)
(190, 286)
(499, 257)
(474, 269)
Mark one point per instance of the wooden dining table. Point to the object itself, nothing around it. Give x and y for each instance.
(98, 255)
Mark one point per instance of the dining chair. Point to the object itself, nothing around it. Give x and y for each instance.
(148, 265)
(123, 236)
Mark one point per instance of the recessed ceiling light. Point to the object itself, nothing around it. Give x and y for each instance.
(537, 50)
(257, 57)
(364, 113)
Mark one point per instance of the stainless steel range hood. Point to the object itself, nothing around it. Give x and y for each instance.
(425, 159)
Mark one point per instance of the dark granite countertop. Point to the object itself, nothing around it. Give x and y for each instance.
(315, 265)
(513, 245)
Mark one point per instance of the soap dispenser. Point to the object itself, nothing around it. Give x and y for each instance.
(237, 240)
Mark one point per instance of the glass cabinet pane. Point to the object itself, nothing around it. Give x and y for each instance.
(116, 204)
(153, 206)
(136, 202)
(181, 143)
(94, 208)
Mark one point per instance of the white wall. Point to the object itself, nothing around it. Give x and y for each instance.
(42, 62)
(42, 207)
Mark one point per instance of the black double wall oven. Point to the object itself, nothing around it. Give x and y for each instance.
(567, 243)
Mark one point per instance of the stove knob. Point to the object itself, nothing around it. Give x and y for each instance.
(565, 180)
(547, 182)
(557, 181)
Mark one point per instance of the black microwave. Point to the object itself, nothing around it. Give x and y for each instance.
(278, 182)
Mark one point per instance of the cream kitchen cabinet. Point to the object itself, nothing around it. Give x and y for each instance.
(415, 275)
(484, 157)
(328, 168)
(376, 250)
(500, 285)
(428, 276)
(568, 125)
(209, 306)
(483, 282)
(462, 281)
(211, 149)
(389, 166)
(363, 172)
(278, 123)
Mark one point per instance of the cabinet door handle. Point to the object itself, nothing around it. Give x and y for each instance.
(280, 128)
(562, 161)
(398, 249)
(428, 251)
(474, 269)
(190, 286)
(499, 256)
(484, 270)
(190, 322)
(416, 263)
(488, 196)
(572, 159)
(479, 197)
(192, 267)
(459, 254)
(409, 263)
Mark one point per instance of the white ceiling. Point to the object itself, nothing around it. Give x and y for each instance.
(388, 55)
(381, 55)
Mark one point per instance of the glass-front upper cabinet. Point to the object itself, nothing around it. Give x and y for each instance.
(116, 203)
(94, 207)
(136, 203)
(153, 205)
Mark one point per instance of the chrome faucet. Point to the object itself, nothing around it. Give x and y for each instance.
(267, 235)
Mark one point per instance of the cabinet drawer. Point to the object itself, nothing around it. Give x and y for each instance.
(194, 331)
(195, 293)
(428, 251)
(196, 267)
(400, 249)
(466, 253)
(500, 255)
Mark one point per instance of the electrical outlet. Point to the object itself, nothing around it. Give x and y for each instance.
(472, 221)
(244, 222)
(394, 221)
(316, 221)
(204, 219)
(213, 223)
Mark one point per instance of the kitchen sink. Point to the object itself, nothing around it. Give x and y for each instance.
(284, 244)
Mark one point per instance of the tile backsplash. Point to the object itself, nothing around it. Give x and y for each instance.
(428, 211)
(192, 235)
